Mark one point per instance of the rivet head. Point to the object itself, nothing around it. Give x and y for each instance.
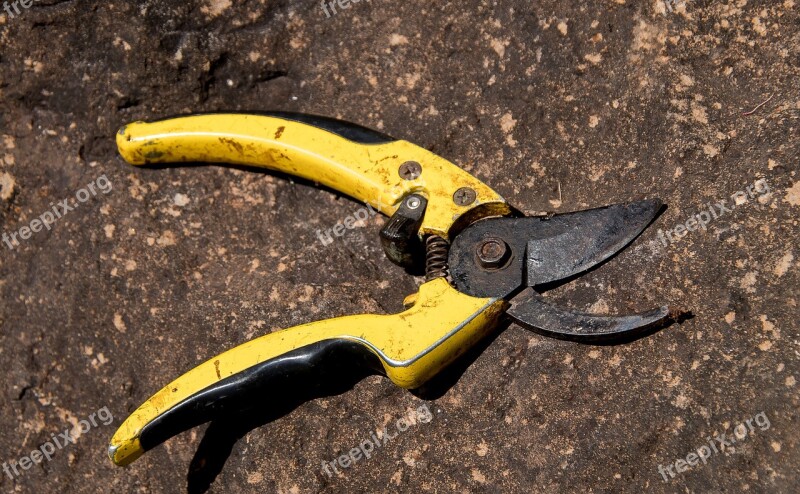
(410, 170)
(464, 196)
(413, 202)
(493, 253)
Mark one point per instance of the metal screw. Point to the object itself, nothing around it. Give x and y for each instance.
(413, 202)
(493, 253)
(410, 170)
(464, 196)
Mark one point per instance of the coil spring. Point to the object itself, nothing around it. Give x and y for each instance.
(436, 251)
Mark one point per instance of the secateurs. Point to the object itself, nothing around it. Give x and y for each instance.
(482, 260)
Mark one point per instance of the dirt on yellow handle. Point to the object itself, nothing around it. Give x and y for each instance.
(367, 172)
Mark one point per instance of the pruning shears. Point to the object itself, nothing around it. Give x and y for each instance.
(482, 259)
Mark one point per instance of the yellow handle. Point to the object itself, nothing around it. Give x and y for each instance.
(366, 170)
(411, 347)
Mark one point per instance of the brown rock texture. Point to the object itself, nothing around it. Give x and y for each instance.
(558, 105)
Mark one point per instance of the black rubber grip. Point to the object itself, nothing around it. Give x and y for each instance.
(350, 131)
(322, 369)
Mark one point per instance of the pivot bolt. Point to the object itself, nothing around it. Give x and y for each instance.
(410, 170)
(493, 253)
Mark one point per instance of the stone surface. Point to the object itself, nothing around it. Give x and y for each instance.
(560, 105)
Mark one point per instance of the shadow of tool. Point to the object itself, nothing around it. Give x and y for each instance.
(291, 390)
(295, 389)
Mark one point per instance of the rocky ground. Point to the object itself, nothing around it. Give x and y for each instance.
(559, 105)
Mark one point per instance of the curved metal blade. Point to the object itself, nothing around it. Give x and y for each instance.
(576, 242)
(531, 311)
(543, 250)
